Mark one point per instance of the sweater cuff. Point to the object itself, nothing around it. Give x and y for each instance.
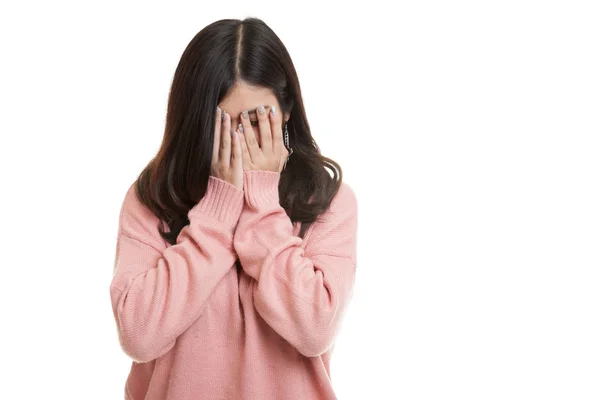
(222, 201)
(261, 187)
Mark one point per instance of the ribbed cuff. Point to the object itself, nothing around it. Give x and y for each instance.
(261, 187)
(222, 201)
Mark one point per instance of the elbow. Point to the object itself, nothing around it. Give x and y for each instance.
(141, 343)
(315, 345)
(140, 351)
(319, 339)
(319, 336)
(135, 350)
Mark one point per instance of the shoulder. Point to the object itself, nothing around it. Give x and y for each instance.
(344, 203)
(137, 221)
(132, 206)
(334, 232)
(346, 196)
(341, 214)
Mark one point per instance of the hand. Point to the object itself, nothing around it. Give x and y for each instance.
(271, 154)
(227, 153)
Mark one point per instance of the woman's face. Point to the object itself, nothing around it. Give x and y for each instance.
(244, 97)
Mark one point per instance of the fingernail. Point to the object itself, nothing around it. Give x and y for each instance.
(241, 128)
(232, 132)
(223, 115)
(261, 110)
(273, 110)
(245, 114)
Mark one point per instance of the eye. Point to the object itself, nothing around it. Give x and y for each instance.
(254, 123)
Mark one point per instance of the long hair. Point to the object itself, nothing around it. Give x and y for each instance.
(223, 53)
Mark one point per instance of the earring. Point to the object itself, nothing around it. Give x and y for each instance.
(286, 139)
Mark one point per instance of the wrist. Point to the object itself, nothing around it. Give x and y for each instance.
(222, 201)
(261, 187)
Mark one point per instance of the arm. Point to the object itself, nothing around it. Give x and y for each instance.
(301, 293)
(157, 292)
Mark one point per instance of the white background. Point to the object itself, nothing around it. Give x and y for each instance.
(469, 131)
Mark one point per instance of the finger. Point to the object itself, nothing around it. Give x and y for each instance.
(245, 153)
(252, 145)
(236, 151)
(264, 126)
(246, 126)
(274, 117)
(225, 151)
(245, 122)
(217, 136)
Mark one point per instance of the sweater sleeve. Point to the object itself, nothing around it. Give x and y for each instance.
(158, 291)
(301, 292)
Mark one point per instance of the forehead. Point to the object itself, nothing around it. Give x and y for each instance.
(245, 97)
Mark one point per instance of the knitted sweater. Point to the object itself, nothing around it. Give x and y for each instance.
(196, 327)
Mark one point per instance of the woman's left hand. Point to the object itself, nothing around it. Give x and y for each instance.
(271, 154)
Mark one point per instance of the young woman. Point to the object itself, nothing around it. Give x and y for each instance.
(236, 251)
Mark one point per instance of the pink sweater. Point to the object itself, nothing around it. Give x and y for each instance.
(197, 328)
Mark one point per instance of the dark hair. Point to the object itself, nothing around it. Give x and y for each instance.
(223, 53)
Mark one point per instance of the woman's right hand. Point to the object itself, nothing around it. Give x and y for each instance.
(227, 153)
